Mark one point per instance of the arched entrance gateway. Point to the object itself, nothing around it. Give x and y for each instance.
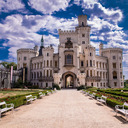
(69, 80)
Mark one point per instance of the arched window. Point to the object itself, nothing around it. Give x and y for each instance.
(69, 59)
(114, 75)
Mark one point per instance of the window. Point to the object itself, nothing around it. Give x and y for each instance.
(51, 63)
(69, 59)
(82, 63)
(40, 74)
(97, 84)
(87, 63)
(101, 74)
(90, 63)
(87, 74)
(83, 24)
(44, 63)
(93, 62)
(55, 63)
(44, 72)
(50, 73)
(25, 58)
(47, 73)
(46, 84)
(92, 84)
(19, 58)
(114, 65)
(91, 73)
(114, 57)
(114, 75)
(40, 64)
(121, 75)
(83, 35)
(47, 54)
(32, 75)
(37, 65)
(47, 63)
(97, 64)
(120, 65)
(115, 84)
(90, 54)
(83, 42)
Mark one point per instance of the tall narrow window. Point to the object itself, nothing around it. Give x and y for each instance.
(114, 65)
(82, 63)
(51, 63)
(90, 63)
(114, 75)
(50, 73)
(47, 73)
(69, 59)
(47, 63)
(55, 63)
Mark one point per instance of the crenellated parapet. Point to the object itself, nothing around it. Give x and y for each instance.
(66, 32)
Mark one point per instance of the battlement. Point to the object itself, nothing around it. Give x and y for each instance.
(67, 31)
(26, 50)
(48, 48)
(112, 49)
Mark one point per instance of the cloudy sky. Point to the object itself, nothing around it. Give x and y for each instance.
(22, 22)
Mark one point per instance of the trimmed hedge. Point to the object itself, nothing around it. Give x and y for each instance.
(19, 100)
(114, 92)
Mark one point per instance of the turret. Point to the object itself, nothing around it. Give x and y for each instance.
(100, 49)
(82, 19)
(41, 46)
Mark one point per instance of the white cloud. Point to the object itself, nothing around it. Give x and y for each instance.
(49, 6)
(22, 35)
(8, 5)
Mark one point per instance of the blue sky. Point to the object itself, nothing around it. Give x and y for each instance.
(22, 22)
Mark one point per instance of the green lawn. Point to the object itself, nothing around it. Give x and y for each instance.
(14, 93)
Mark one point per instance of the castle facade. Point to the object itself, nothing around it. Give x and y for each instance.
(75, 64)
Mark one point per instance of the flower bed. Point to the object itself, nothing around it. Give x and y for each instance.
(19, 100)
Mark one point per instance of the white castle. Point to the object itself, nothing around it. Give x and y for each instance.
(75, 64)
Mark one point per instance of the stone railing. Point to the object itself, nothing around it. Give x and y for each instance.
(93, 78)
(46, 79)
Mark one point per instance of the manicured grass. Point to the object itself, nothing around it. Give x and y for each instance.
(14, 93)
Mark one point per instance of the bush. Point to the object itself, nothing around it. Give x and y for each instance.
(81, 87)
(56, 86)
(19, 99)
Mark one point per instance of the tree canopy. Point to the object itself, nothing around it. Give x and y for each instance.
(8, 65)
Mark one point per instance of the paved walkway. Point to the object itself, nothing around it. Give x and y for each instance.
(64, 109)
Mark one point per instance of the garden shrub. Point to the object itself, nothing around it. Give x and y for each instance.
(56, 86)
(81, 87)
(19, 100)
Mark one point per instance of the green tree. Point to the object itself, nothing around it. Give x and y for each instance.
(9, 64)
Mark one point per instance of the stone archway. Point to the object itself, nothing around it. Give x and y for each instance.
(69, 80)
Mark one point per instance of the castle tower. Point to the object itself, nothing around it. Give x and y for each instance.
(100, 49)
(82, 19)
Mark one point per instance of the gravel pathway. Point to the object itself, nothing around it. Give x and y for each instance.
(64, 109)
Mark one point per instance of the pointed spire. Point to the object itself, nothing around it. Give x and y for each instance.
(42, 41)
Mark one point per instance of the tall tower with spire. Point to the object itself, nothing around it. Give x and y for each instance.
(41, 46)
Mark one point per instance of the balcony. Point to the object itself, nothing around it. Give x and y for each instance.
(93, 78)
(46, 79)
